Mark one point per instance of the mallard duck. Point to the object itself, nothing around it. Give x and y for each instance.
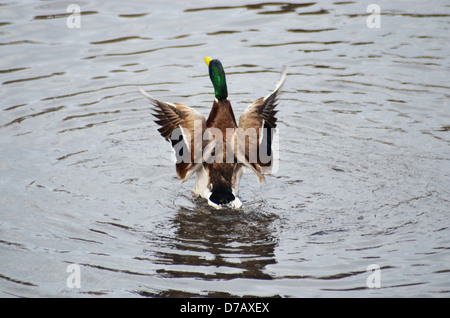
(217, 149)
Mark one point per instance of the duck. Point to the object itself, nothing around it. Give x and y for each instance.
(217, 149)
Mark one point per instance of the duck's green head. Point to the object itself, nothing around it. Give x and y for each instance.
(217, 75)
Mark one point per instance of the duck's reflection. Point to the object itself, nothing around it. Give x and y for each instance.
(220, 244)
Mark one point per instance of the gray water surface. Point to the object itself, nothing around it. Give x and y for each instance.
(364, 171)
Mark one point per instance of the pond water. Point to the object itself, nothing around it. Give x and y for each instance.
(364, 171)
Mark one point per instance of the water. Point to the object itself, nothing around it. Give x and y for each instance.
(364, 174)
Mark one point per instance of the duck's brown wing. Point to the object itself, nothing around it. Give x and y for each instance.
(255, 134)
(184, 128)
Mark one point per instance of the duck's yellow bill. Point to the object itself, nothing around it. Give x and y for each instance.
(208, 60)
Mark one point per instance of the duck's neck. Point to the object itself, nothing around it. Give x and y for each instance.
(221, 115)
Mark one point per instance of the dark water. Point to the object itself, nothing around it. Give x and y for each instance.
(364, 174)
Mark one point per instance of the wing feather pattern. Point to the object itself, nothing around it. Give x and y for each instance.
(255, 134)
(184, 128)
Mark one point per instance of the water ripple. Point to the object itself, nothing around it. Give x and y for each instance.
(364, 158)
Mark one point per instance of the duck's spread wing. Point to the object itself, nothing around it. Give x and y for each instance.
(184, 128)
(255, 134)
